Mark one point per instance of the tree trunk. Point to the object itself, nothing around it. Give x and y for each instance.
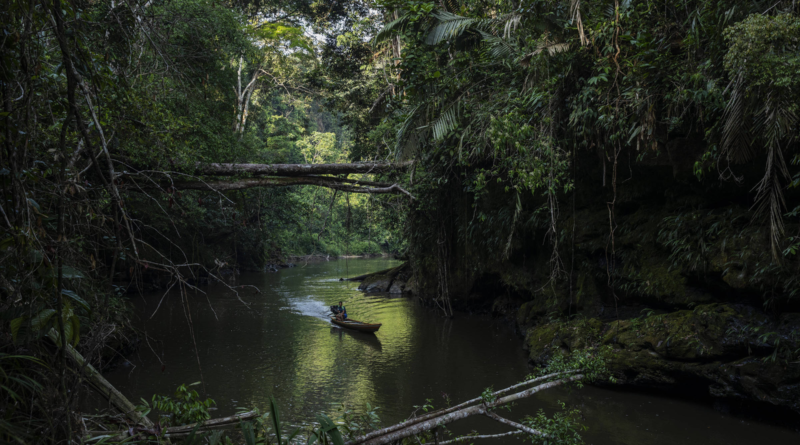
(320, 181)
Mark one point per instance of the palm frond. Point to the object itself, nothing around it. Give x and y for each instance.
(499, 48)
(769, 199)
(388, 31)
(449, 26)
(736, 130)
(553, 48)
(775, 121)
(405, 143)
(510, 23)
(446, 122)
(550, 48)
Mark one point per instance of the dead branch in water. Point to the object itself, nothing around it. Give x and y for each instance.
(470, 408)
(442, 412)
(481, 436)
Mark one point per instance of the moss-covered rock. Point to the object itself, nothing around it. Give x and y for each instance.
(738, 351)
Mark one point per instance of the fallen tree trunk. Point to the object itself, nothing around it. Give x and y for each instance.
(299, 169)
(320, 181)
(101, 385)
(467, 412)
(178, 431)
(440, 413)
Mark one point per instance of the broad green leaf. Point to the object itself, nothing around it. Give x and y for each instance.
(42, 318)
(15, 325)
(75, 322)
(74, 297)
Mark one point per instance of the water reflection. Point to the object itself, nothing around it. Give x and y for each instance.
(368, 339)
(282, 343)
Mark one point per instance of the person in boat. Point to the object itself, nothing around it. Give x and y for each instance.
(341, 312)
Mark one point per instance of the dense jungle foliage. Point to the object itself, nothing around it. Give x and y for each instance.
(522, 104)
(105, 105)
(583, 163)
(562, 150)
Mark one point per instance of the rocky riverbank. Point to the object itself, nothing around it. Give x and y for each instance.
(731, 352)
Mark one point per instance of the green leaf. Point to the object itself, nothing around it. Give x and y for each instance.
(70, 272)
(42, 318)
(74, 297)
(330, 428)
(75, 322)
(15, 325)
(35, 205)
(68, 332)
(276, 419)
(248, 433)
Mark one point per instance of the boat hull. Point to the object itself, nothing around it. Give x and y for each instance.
(356, 325)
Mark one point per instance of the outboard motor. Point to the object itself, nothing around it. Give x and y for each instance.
(335, 309)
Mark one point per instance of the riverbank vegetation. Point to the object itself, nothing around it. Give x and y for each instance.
(620, 173)
(626, 169)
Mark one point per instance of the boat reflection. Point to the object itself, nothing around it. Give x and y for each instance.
(368, 339)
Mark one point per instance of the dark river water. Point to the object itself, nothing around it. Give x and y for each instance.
(280, 343)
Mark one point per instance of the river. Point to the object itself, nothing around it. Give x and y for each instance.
(280, 343)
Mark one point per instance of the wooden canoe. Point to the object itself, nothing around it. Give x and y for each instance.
(356, 325)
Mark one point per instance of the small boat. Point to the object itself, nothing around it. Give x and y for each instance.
(356, 325)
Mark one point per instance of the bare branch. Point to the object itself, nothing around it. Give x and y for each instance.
(485, 436)
(516, 425)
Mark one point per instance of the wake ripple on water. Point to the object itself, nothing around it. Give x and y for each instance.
(309, 307)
